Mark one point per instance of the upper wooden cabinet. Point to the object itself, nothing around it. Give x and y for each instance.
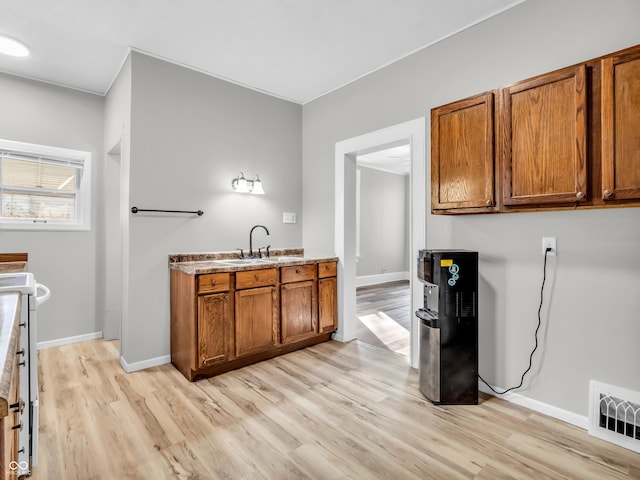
(620, 123)
(565, 139)
(462, 154)
(543, 126)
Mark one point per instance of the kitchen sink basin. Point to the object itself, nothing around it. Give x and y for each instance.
(286, 259)
(243, 261)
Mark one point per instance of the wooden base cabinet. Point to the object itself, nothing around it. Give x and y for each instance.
(298, 302)
(327, 297)
(9, 425)
(256, 327)
(215, 329)
(223, 321)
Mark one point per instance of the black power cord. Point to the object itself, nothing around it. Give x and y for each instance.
(544, 279)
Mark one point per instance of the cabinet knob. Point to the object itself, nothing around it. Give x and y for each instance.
(297, 270)
(489, 202)
(580, 195)
(213, 283)
(257, 277)
(607, 193)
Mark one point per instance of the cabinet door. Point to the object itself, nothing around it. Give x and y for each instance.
(255, 312)
(327, 304)
(621, 126)
(214, 329)
(298, 311)
(543, 130)
(462, 154)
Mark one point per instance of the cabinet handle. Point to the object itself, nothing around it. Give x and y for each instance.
(20, 352)
(18, 426)
(19, 405)
(580, 195)
(607, 193)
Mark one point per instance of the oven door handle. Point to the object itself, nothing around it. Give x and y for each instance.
(42, 298)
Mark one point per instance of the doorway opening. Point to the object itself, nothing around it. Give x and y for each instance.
(410, 133)
(383, 300)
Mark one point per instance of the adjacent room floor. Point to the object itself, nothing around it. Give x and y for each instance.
(384, 316)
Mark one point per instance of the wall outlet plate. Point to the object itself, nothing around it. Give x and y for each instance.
(288, 217)
(549, 242)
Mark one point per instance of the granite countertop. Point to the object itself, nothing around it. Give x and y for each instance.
(9, 338)
(197, 263)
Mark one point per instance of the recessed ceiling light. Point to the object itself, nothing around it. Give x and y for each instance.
(10, 46)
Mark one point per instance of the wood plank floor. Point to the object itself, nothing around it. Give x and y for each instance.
(384, 316)
(332, 411)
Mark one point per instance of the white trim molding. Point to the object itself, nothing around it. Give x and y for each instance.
(366, 280)
(564, 415)
(68, 340)
(144, 364)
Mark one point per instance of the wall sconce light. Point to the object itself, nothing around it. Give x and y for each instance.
(242, 185)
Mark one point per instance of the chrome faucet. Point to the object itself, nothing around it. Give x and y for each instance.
(251, 238)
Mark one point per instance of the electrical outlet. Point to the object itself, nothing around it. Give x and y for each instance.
(549, 242)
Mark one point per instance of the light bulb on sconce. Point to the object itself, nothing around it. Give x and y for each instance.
(242, 185)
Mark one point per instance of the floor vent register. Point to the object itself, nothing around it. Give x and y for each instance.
(614, 415)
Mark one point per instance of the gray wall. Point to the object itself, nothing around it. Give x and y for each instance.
(591, 315)
(66, 262)
(191, 134)
(383, 223)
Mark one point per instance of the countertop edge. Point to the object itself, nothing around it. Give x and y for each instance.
(212, 266)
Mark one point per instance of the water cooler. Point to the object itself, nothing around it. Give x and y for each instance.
(449, 326)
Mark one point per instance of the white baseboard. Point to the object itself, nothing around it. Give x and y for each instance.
(68, 340)
(151, 362)
(540, 407)
(381, 278)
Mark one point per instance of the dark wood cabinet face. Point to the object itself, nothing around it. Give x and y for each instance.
(620, 110)
(462, 154)
(543, 126)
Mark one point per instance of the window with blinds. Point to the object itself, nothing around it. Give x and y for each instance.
(44, 187)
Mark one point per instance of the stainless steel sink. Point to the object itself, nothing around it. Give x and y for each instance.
(287, 259)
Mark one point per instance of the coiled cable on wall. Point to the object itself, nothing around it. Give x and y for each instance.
(544, 279)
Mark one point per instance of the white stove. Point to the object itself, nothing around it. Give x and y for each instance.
(24, 283)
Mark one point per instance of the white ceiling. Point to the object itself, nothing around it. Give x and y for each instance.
(395, 160)
(294, 49)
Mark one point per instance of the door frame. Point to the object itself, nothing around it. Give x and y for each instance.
(346, 153)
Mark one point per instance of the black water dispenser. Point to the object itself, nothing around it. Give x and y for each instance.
(448, 366)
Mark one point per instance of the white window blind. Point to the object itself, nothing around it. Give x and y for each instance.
(44, 187)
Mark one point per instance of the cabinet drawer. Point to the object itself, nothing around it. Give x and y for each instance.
(326, 269)
(213, 282)
(256, 278)
(298, 273)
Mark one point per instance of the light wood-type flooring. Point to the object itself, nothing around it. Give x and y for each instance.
(384, 316)
(332, 411)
